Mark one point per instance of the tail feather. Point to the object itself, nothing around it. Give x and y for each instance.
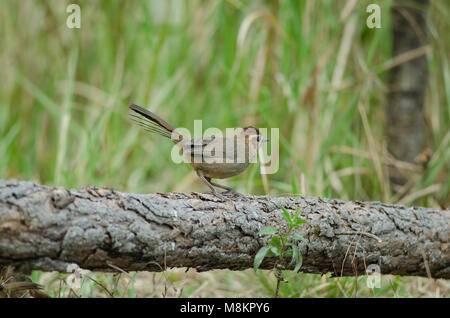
(153, 117)
(149, 126)
(152, 122)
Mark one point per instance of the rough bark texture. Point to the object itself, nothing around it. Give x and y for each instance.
(408, 81)
(48, 228)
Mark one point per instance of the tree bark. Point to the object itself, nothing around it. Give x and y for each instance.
(408, 82)
(48, 228)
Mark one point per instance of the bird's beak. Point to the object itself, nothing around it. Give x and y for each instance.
(265, 140)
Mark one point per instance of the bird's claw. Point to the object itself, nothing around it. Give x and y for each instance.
(222, 197)
(231, 191)
(218, 195)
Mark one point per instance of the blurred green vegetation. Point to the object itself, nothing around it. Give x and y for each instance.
(311, 68)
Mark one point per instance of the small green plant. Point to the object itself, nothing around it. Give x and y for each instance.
(283, 246)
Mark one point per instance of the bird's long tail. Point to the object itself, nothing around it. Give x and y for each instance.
(153, 123)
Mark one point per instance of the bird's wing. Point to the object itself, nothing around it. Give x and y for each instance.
(208, 148)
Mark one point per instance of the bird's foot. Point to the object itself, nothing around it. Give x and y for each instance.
(217, 194)
(233, 192)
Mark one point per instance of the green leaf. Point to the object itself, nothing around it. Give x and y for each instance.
(299, 262)
(288, 252)
(295, 253)
(268, 230)
(299, 221)
(260, 256)
(297, 213)
(275, 251)
(286, 215)
(275, 241)
(296, 257)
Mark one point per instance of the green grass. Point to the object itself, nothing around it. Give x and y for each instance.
(64, 97)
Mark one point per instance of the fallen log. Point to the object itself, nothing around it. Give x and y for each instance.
(49, 228)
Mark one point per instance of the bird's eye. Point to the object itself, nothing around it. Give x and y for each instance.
(258, 139)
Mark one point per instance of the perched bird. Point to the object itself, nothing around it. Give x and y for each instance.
(211, 157)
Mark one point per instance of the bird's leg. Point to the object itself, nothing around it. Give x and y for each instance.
(213, 190)
(228, 189)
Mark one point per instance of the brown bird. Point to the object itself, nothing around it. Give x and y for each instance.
(211, 157)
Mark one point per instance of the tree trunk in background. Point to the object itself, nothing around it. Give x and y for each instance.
(408, 81)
